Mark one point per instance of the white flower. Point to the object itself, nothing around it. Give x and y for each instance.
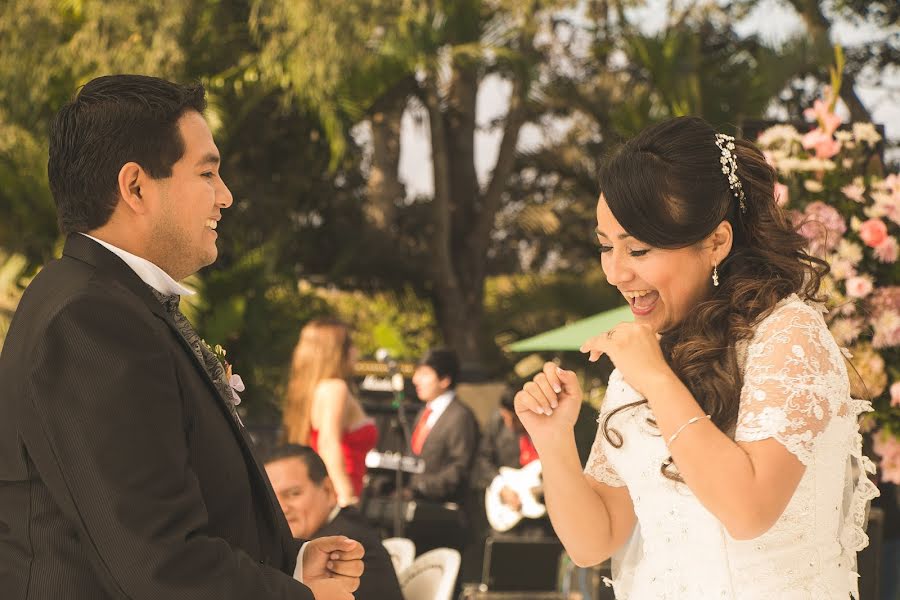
(887, 329)
(842, 268)
(845, 331)
(778, 134)
(813, 186)
(237, 385)
(843, 136)
(859, 286)
(850, 251)
(866, 133)
(855, 190)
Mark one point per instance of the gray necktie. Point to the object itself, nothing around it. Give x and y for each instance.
(201, 350)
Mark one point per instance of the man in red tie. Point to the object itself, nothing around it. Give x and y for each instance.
(445, 437)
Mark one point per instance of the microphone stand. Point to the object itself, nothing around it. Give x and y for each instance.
(397, 385)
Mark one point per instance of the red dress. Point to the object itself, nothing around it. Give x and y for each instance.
(355, 444)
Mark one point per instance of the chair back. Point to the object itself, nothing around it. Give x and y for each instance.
(402, 552)
(432, 576)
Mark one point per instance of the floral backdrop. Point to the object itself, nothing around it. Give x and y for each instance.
(833, 181)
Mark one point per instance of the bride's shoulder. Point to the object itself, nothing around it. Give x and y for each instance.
(789, 313)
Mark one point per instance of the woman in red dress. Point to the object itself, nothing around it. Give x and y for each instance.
(321, 410)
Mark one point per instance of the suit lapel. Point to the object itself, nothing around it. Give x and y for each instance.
(87, 250)
(438, 428)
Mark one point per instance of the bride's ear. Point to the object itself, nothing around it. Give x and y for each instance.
(720, 241)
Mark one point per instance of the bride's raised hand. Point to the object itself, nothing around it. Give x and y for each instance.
(550, 402)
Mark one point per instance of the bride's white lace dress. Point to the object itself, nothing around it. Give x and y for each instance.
(796, 390)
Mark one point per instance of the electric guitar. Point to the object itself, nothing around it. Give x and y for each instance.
(525, 482)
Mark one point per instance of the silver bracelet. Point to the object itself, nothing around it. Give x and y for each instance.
(680, 429)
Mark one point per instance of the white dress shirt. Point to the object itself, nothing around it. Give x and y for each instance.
(438, 406)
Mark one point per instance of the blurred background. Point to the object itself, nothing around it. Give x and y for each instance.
(424, 170)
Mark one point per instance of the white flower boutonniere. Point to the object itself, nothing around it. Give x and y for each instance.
(234, 380)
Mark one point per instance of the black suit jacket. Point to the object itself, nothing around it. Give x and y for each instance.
(448, 453)
(379, 580)
(122, 472)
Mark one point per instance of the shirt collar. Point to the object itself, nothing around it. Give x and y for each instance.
(151, 274)
(440, 404)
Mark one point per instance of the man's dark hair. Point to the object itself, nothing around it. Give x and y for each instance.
(444, 362)
(508, 397)
(114, 120)
(314, 463)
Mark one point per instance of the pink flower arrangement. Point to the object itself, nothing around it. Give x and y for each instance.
(821, 111)
(824, 145)
(823, 226)
(850, 215)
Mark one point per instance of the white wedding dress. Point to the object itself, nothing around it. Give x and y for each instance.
(795, 390)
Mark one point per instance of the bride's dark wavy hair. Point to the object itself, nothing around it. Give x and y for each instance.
(666, 188)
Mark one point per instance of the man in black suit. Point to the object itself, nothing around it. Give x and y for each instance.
(309, 502)
(125, 471)
(445, 437)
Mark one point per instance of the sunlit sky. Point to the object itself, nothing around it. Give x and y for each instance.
(771, 20)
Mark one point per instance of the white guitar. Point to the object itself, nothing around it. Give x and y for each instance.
(524, 482)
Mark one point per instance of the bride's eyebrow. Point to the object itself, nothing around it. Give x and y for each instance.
(622, 236)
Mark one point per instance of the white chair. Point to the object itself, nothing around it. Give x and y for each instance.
(402, 552)
(431, 576)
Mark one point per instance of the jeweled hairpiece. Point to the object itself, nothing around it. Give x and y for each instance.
(729, 167)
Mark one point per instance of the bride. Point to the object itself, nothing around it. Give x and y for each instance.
(727, 462)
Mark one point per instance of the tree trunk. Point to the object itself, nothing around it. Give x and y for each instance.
(384, 188)
(819, 28)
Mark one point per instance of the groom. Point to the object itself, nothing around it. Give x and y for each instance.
(124, 470)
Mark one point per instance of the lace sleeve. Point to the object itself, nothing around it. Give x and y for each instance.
(598, 465)
(795, 381)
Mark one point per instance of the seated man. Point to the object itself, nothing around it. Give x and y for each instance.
(309, 502)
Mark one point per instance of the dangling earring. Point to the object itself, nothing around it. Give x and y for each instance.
(715, 275)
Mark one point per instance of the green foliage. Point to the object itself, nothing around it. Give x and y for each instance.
(401, 322)
(49, 48)
(12, 283)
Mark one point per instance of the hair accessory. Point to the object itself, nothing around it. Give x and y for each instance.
(680, 429)
(729, 167)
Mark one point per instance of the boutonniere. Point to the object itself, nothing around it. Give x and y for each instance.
(234, 380)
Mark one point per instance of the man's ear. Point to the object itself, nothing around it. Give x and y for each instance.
(328, 486)
(131, 182)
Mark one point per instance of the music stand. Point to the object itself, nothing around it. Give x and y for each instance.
(397, 385)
